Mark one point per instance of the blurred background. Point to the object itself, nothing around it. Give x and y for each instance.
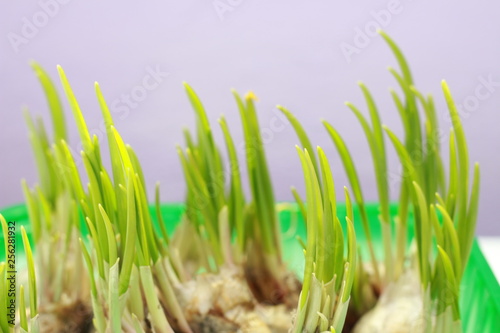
(307, 56)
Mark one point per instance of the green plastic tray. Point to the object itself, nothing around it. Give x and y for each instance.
(480, 291)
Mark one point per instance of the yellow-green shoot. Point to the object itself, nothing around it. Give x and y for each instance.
(328, 273)
(218, 213)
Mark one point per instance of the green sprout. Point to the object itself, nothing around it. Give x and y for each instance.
(54, 216)
(454, 238)
(447, 213)
(328, 275)
(221, 213)
(129, 255)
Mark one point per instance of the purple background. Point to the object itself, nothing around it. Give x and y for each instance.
(287, 52)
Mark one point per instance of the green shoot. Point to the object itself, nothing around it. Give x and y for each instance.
(236, 201)
(77, 113)
(328, 274)
(259, 179)
(375, 140)
(159, 217)
(218, 215)
(53, 101)
(31, 273)
(301, 133)
(352, 175)
(454, 235)
(117, 216)
(22, 310)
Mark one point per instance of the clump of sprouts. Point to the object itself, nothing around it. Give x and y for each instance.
(216, 214)
(328, 274)
(416, 287)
